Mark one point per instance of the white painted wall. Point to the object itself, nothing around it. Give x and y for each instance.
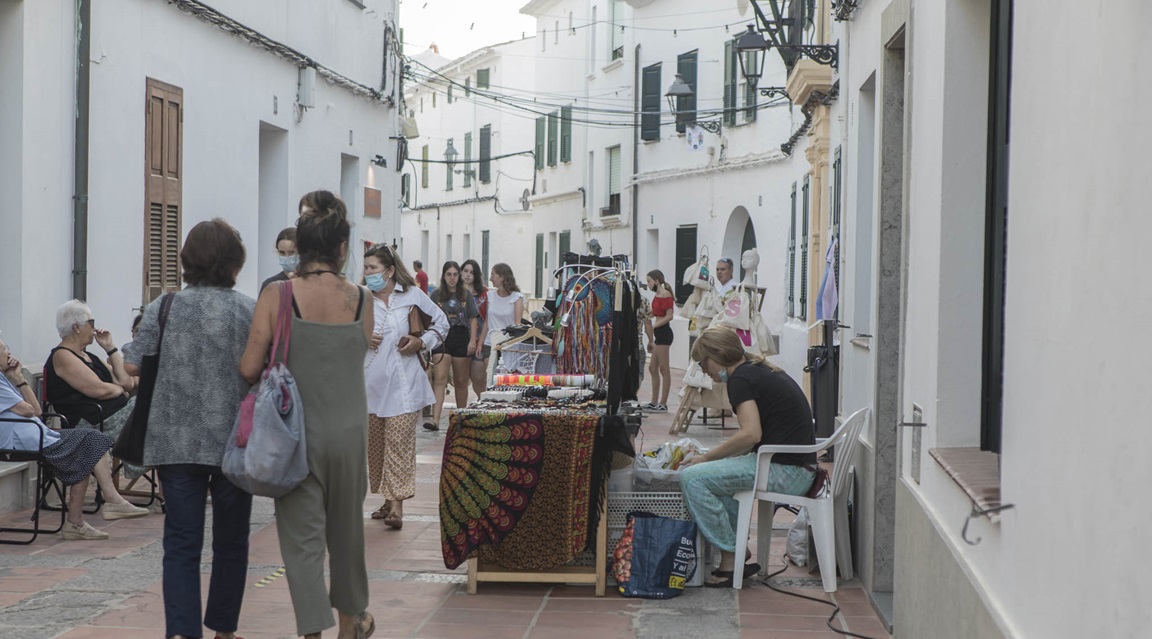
(230, 87)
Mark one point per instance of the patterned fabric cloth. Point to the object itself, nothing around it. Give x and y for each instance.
(76, 454)
(518, 487)
(392, 455)
(583, 344)
(709, 487)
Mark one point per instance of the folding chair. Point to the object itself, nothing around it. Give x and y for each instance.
(45, 484)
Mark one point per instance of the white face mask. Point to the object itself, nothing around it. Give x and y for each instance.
(289, 263)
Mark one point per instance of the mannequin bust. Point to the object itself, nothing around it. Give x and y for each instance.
(750, 261)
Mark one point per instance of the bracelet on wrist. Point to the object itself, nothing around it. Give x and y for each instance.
(112, 352)
(21, 384)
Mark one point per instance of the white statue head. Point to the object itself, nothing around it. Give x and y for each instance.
(750, 261)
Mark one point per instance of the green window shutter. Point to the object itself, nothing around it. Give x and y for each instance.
(686, 256)
(686, 67)
(730, 64)
(424, 167)
(482, 76)
(566, 134)
(792, 258)
(750, 91)
(484, 253)
(486, 154)
(468, 171)
(837, 195)
(541, 125)
(805, 214)
(539, 265)
(564, 245)
(650, 102)
(406, 188)
(467, 86)
(449, 94)
(553, 136)
(448, 170)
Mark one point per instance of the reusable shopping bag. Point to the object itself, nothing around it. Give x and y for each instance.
(266, 453)
(655, 557)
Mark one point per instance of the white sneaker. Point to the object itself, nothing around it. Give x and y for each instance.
(122, 511)
(72, 532)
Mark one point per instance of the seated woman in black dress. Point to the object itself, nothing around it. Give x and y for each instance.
(71, 454)
(770, 409)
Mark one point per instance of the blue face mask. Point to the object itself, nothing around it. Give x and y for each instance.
(723, 375)
(289, 263)
(375, 282)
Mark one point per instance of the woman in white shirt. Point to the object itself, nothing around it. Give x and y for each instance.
(397, 386)
(505, 308)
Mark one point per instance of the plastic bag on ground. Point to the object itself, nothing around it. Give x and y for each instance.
(797, 543)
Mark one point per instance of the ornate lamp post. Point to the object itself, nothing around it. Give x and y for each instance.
(751, 50)
(782, 28)
(678, 95)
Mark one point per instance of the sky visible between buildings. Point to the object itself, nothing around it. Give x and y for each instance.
(459, 27)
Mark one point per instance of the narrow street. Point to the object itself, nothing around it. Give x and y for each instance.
(79, 590)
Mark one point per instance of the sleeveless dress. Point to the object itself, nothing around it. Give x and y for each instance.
(325, 512)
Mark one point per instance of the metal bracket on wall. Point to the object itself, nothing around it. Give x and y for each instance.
(976, 512)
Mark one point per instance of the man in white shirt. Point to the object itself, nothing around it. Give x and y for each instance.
(724, 281)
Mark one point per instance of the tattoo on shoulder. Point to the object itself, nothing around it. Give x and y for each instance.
(351, 296)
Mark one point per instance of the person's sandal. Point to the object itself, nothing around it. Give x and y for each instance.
(392, 520)
(382, 512)
(365, 626)
(749, 571)
(430, 426)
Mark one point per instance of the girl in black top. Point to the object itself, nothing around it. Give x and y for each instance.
(459, 347)
(770, 408)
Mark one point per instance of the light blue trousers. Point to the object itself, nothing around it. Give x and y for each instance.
(709, 489)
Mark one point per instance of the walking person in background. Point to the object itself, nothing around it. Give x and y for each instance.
(331, 329)
(473, 279)
(198, 389)
(660, 337)
(505, 305)
(287, 256)
(421, 276)
(456, 353)
(397, 387)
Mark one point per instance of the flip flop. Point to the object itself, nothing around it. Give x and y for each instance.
(382, 512)
(749, 570)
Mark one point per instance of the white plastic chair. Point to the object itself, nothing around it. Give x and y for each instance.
(827, 513)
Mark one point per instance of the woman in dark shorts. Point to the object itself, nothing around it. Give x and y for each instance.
(456, 353)
(473, 279)
(659, 340)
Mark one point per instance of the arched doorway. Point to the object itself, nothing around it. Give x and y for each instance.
(739, 236)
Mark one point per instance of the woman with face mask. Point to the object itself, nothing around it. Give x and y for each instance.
(397, 388)
(287, 256)
(770, 409)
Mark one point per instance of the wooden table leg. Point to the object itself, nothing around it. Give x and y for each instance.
(473, 565)
(602, 547)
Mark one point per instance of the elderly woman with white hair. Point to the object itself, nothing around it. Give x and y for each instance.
(89, 391)
(71, 454)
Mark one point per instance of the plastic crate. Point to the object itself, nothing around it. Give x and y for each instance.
(670, 505)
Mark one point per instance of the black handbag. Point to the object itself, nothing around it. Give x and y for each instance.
(130, 444)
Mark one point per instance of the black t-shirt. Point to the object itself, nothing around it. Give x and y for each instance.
(785, 416)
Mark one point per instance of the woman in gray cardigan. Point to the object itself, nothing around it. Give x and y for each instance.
(198, 391)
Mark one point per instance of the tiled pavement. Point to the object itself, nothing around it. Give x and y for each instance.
(111, 589)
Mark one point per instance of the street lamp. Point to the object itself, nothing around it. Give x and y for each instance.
(785, 33)
(450, 154)
(751, 50)
(678, 95)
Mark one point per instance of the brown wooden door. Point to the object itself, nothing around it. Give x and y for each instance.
(163, 191)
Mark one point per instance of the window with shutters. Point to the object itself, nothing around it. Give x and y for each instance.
(486, 154)
(837, 194)
(750, 89)
(616, 37)
(686, 67)
(566, 134)
(539, 288)
(613, 182)
(424, 167)
(564, 244)
(450, 94)
(731, 70)
(805, 214)
(792, 258)
(685, 257)
(163, 187)
(468, 171)
(541, 127)
(433, 99)
(406, 189)
(553, 136)
(484, 253)
(482, 78)
(650, 103)
(468, 86)
(448, 168)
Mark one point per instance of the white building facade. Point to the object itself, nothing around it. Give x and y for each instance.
(171, 120)
(972, 278)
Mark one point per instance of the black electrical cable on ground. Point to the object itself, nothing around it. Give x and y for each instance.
(835, 606)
